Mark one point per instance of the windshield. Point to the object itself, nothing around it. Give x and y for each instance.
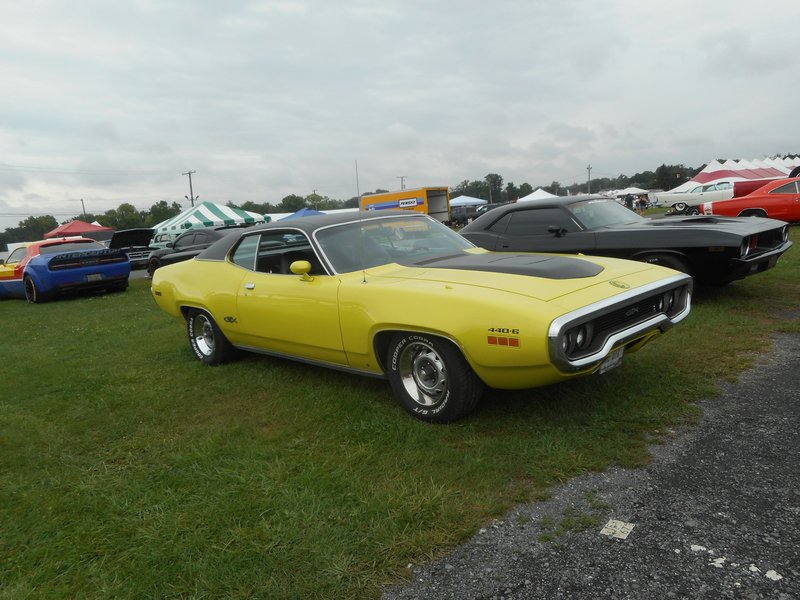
(602, 212)
(374, 242)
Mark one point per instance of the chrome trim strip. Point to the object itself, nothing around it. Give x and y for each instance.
(309, 361)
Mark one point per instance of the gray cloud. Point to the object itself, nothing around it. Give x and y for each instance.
(111, 102)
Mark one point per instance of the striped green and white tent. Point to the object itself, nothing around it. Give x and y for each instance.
(207, 214)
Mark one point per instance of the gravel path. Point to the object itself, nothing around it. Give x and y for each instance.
(715, 515)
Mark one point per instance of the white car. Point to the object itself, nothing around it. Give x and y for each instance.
(689, 202)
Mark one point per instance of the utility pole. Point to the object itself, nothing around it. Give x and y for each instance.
(588, 179)
(83, 206)
(402, 179)
(191, 197)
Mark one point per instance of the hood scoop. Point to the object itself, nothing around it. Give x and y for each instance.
(532, 265)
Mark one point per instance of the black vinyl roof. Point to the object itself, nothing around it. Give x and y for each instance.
(306, 224)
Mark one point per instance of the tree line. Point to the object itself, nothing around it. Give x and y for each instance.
(491, 188)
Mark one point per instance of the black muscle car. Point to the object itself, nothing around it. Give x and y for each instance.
(714, 250)
(187, 245)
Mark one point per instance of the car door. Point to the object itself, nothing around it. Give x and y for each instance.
(280, 311)
(541, 229)
(11, 272)
(784, 202)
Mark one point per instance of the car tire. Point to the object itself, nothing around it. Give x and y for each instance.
(692, 211)
(152, 265)
(431, 378)
(32, 292)
(680, 206)
(667, 260)
(206, 340)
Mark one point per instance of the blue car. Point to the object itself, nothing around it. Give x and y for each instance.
(42, 270)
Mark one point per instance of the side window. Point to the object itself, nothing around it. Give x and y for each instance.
(537, 221)
(789, 188)
(725, 185)
(245, 253)
(183, 242)
(278, 249)
(16, 256)
(201, 237)
(501, 224)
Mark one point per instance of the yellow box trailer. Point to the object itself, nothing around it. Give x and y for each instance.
(434, 201)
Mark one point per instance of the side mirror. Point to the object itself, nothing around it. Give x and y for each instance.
(301, 267)
(170, 245)
(558, 231)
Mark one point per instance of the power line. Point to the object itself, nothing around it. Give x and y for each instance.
(62, 171)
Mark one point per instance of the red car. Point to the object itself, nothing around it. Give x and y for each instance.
(779, 199)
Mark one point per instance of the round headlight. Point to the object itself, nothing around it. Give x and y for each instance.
(584, 336)
(566, 342)
(785, 233)
(667, 301)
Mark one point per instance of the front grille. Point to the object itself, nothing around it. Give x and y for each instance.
(628, 315)
(767, 240)
(584, 338)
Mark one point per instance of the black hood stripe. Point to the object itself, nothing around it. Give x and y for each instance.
(531, 265)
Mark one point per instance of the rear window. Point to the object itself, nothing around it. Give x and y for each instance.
(70, 247)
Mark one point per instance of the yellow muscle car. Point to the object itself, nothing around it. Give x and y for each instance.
(399, 295)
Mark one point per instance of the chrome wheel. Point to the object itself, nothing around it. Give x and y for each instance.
(431, 378)
(423, 374)
(204, 339)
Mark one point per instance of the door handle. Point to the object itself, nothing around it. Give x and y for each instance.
(249, 286)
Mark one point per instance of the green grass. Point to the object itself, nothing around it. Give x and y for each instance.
(128, 469)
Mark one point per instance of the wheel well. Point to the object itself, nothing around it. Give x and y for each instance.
(644, 255)
(675, 260)
(753, 212)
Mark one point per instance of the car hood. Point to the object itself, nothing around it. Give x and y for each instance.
(545, 277)
(129, 238)
(737, 225)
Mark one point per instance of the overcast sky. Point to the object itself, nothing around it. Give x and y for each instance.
(110, 101)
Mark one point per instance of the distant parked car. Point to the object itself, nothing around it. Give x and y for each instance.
(135, 243)
(461, 215)
(42, 270)
(161, 240)
(712, 250)
(187, 245)
(779, 199)
(688, 202)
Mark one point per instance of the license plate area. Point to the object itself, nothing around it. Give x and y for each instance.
(95, 277)
(612, 361)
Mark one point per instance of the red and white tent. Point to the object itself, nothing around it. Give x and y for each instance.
(741, 170)
(75, 227)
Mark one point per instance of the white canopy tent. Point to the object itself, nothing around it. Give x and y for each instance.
(633, 191)
(207, 214)
(467, 201)
(539, 194)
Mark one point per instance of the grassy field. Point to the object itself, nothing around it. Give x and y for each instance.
(129, 470)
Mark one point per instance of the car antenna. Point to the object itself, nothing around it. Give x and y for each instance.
(360, 229)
